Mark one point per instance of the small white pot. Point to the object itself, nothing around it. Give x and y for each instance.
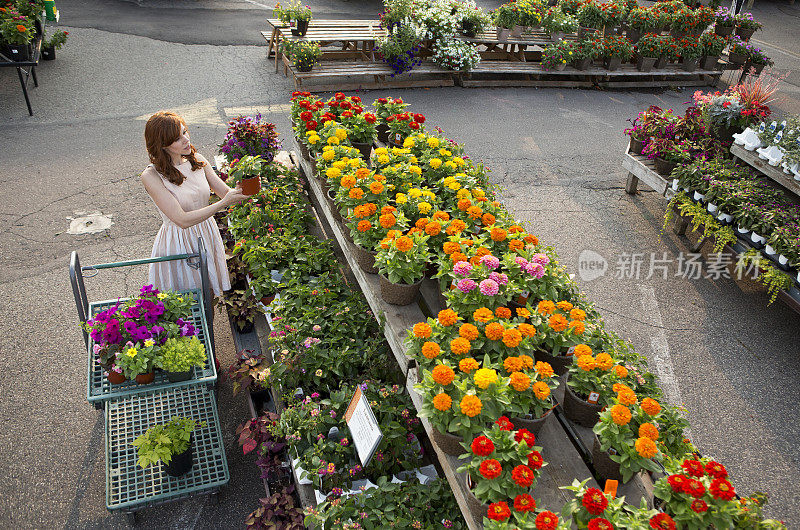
(783, 260)
(798, 276)
(722, 216)
(675, 184)
(742, 230)
(699, 196)
(769, 250)
(755, 238)
(711, 207)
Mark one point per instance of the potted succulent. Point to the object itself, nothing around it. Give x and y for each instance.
(504, 464)
(17, 32)
(55, 42)
(401, 265)
(169, 444)
(725, 22)
(179, 355)
(713, 45)
(247, 171)
(746, 25)
(137, 361)
(304, 54)
(648, 50)
(691, 51)
(297, 15)
(590, 18)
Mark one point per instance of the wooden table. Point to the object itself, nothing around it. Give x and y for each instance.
(513, 48)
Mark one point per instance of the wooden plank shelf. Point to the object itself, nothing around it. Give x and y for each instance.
(640, 168)
(773, 173)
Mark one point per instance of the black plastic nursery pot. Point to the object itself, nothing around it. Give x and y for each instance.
(176, 377)
(300, 28)
(181, 463)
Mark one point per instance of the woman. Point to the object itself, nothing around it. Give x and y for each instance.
(180, 181)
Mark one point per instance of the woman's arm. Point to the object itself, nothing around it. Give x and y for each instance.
(168, 204)
(215, 183)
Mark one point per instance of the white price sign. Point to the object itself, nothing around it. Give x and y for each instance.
(363, 427)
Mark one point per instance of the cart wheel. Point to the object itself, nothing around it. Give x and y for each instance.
(213, 498)
(98, 405)
(131, 516)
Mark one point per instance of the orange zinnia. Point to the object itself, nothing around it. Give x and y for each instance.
(348, 181)
(387, 220)
(488, 220)
(364, 225)
(441, 216)
(433, 228)
(443, 375)
(527, 329)
(557, 323)
(431, 350)
(455, 257)
(422, 222)
(375, 187)
(355, 193)
(468, 364)
(474, 212)
(483, 315)
(512, 338)
(651, 406)
(468, 331)
(460, 346)
(494, 331)
(404, 243)
(516, 245)
(463, 204)
(450, 246)
(422, 330)
(442, 402)
(512, 364)
(447, 317)
(456, 226)
(502, 312)
(546, 307)
(533, 240)
(521, 382)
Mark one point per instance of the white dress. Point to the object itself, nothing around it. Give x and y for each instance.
(192, 194)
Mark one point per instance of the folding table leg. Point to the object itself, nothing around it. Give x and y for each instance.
(33, 73)
(24, 90)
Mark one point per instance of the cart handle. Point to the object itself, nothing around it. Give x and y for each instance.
(79, 288)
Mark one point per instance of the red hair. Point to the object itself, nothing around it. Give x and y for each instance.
(163, 129)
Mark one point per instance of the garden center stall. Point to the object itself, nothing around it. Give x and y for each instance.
(573, 43)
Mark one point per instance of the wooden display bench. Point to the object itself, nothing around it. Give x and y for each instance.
(350, 75)
(773, 173)
(566, 447)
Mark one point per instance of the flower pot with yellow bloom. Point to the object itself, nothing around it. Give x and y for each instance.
(532, 386)
(589, 385)
(560, 329)
(626, 437)
(137, 361)
(503, 465)
(401, 263)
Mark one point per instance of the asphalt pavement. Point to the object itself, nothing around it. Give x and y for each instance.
(717, 346)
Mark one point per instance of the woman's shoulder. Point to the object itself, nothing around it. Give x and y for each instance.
(150, 173)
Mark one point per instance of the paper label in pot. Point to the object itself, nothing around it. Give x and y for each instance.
(594, 397)
(570, 351)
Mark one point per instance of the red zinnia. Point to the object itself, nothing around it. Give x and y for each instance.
(677, 482)
(523, 476)
(419, 118)
(524, 503)
(344, 104)
(722, 489)
(369, 117)
(695, 488)
(598, 523)
(347, 114)
(524, 435)
(414, 125)
(535, 460)
(716, 470)
(306, 115)
(662, 521)
(546, 520)
(311, 125)
(482, 446)
(357, 110)
(333, 104)
(594, 501)
(498, 511)
(339, 96)
(491, 468)
(505, 424)
(699, 505)
(693, 468)
(355, 99)
(389, 119)
(383, 100)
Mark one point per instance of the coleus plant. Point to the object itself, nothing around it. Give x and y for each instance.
(279, 510)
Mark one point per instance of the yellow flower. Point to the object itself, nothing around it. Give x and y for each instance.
(463, 194)
(459, 161)
(328, 155)
(131, 352)
(450, 164)
(381, 151)
(435, 163)
(383, 159)
(341, 134)
(400, 198)
(161, 296)
(415, 193)
(471, 405)
(455, 186)
(424, 208)
(340, 164)
(445, 153)
(313, 139)
(355, 162)
(415, 170)
(433, 143)
(333, 140)
(485, 377)
(413, 160)
(149, 342)
(408, 142)
(333, 173)
(311, 133)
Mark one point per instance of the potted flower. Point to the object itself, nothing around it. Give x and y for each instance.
(691, 51)
(403, 125)
(725, 22)
(756, 61)
(713, 45)
(560, 330)
(474, 21)
(583, 53)
(667, 154)
(558, 24)
(532, 400)
(455, 54)
(556, 56)
(179, 355)
(529, 13)
(639, 22)
(589, 385)
(242, 307)
(401, 265)
(247, 171)
(648, 50)
(385, 107)
(704, 17)
(361, 130)
(17, 32)
(368, 227)
(254, 136)
(670, 51)
(626, 435)
(739, 51)
(55, 42)
(504, 466)
(297, 15)
(613, 15)
(590, 18)
(304, 54)
(683, 22)
(746, 25)
(592, 508)
(169, 444)
(505, 18)
(616, 50)
(137, 361)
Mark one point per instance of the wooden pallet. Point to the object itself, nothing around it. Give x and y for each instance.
(565, 463)
(343, 75)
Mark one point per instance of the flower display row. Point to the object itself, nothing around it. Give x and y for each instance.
(20, 23)
(513, 320)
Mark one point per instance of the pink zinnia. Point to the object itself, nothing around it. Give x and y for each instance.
(462, 268)
(490, 262)
(466, 285)
(501, 279)
(519, 260)
(535, 269)
(489, 287)
(541, 259)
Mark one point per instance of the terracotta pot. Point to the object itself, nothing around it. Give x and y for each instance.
(116, 379)
(250, 186)
(645, 64)
(559, 363)
(663, 167)
(636, 146)
(604, 467)
(723, 31)
(145, 379)
(476, 507)
(449, 443)
(579, 410)
(534, 425)
(365, 259)
(399, 293)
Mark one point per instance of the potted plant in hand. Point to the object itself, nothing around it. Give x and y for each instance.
(137, 361)
(713, 45)
(401, 264)
(504, 464)
(691, 50)
(170, 444)
(247, 171)
(297, 15)
(725, 22)
(50, 45)
(746, 26)
(648, 50)
(17, 33)
(179, 355)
